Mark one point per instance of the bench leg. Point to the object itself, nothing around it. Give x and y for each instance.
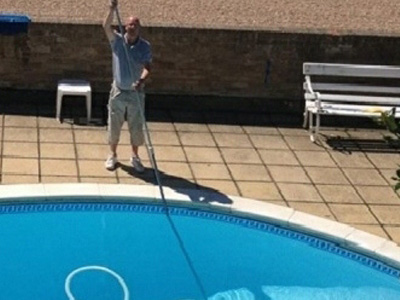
(89, 107)
(314, 130)
(317, 124)
(305, 116)
(58, 106)
(310, 125)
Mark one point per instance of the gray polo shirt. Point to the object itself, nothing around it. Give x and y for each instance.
(139, 54)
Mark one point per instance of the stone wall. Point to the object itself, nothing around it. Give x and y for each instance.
(186, 61)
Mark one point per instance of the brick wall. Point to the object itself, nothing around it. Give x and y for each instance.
(186, 61)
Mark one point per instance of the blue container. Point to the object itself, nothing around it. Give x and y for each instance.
(11, 24)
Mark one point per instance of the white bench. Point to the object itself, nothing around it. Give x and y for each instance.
(74, 88)
(349, 90)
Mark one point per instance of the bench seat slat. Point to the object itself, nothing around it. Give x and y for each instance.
(351, 110)
(371, 71)
(355, 98)
(348, 87)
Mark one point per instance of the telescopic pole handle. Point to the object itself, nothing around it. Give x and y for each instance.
(121, 29)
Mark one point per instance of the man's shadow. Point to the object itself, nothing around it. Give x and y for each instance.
(196, 192)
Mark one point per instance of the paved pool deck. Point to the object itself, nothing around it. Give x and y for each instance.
(268, 157)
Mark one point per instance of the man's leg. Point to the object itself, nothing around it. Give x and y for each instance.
(135, 150)
(116, 115)
(135, 121)
(113, 149)
(135, 124)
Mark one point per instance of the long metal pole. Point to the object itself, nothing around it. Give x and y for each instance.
(150, 152)
(149, 147)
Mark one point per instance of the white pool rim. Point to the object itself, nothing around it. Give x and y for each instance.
(342, 234)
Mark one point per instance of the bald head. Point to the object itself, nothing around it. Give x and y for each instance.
(132, 20)
(132, 27)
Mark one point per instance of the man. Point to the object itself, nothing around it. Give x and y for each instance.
(127, 92)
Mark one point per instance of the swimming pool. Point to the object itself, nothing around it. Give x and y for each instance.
(104, 244)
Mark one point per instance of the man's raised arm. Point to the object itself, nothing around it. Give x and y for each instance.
(108, 21)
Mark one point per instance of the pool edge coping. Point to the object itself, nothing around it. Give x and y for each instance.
(342, 234)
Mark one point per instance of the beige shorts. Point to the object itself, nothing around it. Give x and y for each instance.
(124, 105)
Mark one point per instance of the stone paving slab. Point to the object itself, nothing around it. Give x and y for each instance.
(90, 136)
(21, 149)
(269, 142)
(318, 209)
(353, 213)
(299, 192)
(314, 159)
(20, 166)
(378, 194)
(351, 160)
(240, 155)
(196, 139)
(210, 171)
(20, 121)
(61, 179)
(292, 174)
(374, 229)
(324, 175)
(259, 190)
(55, 135)
(24, 134)
(364, 176)
(203, 154)
(19, 179)
(394, 232)
(56, 150)
(339, 193)
(60, 167)
(279, 157)
(224, 186)
(244, 172)
(387, 214)
(271, 163)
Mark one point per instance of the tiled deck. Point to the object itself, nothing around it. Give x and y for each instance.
(218, 150)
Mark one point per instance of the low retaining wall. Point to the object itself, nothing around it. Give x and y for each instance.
(186, 61)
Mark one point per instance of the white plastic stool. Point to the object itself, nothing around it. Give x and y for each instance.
(74, 88)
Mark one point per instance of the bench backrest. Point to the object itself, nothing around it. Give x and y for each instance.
(351, 70)
(352, 84)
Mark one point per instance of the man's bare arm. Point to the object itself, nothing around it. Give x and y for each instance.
(108, 21)
(145, 73)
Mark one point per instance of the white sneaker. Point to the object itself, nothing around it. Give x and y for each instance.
(137, 164)
(111, 162)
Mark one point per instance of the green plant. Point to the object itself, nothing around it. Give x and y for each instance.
(388, 120)
(397, 178)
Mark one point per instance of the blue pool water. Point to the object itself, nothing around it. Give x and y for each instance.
(223, 257)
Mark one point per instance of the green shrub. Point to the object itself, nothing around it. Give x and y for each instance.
(387, 119)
